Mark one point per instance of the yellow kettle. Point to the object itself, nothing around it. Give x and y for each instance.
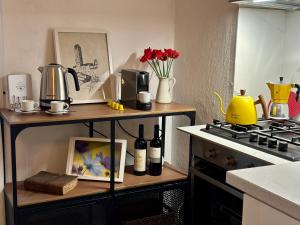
(242, 110)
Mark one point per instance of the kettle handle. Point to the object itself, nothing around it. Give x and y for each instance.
(297, 86)
(74, 74)
(262, 101)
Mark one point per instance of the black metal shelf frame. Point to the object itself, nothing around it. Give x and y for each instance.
(16, 129)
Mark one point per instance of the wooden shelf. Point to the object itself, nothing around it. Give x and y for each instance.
(93, 112)
(84, 188)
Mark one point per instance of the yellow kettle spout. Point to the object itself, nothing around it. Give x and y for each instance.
(221, 102)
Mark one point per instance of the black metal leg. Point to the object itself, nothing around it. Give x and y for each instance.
(13, 137)
(112, 171)
(112, 155)
(192, 117)
(189, 194)
(163, 135)
(3, 149)
(91, 129)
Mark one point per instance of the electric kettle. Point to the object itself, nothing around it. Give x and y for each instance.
(242, 110)
(54, 86)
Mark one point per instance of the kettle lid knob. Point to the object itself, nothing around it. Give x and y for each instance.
(243, 92)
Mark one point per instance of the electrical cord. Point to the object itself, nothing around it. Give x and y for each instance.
(103, 135)
(131, 135)
(123, 129)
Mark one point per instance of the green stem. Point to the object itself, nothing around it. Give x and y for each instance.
(153, 67)
(158, 65)
(164, 68)
(170, 66)
(168, 69)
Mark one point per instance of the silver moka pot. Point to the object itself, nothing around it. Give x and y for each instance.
(54, 86)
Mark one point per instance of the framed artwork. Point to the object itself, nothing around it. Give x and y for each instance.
(89, 158)
(88, 53)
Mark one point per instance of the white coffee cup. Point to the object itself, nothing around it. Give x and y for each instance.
(27, 105)
(144, 97)
(57, 106)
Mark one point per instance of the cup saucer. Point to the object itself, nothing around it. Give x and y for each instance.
(57, 113)
(26, 112)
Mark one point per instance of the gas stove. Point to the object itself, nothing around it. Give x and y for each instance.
(278, 138)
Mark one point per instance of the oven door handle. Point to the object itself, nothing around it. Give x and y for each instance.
(217, 183)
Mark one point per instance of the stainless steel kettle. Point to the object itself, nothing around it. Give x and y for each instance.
(54, 86)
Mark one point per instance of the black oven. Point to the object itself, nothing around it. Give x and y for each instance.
(214, 201)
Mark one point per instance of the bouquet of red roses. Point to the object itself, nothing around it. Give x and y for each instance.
(160, 61)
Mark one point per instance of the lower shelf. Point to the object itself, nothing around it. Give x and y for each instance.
(84, 188)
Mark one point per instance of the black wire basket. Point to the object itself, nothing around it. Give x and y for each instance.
(161, 208)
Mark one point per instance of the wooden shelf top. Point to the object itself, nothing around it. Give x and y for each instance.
(84, 188)
(92, 112)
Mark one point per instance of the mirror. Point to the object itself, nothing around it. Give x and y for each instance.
(268, 46)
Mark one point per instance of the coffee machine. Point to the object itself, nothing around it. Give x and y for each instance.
(132, 83)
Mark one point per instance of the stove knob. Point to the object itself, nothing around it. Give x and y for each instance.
(211, 153)
(272, 143)
(253, 137)
(283, 146)
(262, 140)
(230, 161)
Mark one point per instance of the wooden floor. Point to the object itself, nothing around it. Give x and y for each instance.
(85, 188)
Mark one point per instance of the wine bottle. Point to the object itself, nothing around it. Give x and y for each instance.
(155, 166)
(140, 153)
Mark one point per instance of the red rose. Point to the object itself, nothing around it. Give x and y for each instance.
(175, 54)
(172, 53)
(147, 51)
(144, 58)
(169, 52)
(156, 54)
(163, 56)
(147, 55)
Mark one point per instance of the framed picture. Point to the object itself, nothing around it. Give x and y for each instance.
(89, 158)
(88, 53)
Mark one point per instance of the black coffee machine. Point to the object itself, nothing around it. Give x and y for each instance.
(133, 82)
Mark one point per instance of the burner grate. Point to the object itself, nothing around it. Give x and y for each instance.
(282, 138)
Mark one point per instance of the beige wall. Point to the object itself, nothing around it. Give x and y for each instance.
(205, 32)
(28, 43)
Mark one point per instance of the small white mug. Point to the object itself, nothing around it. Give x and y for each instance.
(27, 105)
(144, 97)
(57, 106)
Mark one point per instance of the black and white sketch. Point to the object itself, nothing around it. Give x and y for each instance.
(87, 52)
(86, 71)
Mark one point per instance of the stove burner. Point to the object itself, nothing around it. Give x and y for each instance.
(240, 128)
(280, 138)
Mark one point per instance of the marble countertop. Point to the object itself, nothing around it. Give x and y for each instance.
(277, 185)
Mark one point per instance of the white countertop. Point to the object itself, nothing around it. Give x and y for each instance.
(277, 185)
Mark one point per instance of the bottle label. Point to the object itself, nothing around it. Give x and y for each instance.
(140, 160)
(155, 155)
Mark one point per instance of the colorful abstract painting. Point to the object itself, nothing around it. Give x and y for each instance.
(90, 159)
